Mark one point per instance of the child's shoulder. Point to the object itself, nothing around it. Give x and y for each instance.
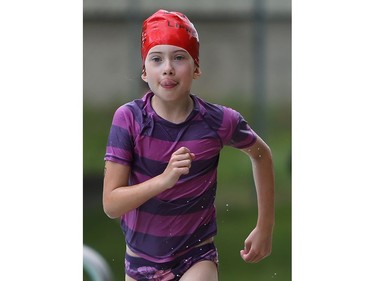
(135, 107)
(214, 109)
(209, 107)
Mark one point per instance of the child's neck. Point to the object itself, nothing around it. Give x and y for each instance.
(174, 112)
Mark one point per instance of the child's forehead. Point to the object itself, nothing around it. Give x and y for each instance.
(166, 49)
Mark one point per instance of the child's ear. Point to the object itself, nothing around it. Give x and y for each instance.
(144, 75)
(197, 72)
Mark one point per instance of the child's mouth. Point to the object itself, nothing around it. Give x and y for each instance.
(168, 83)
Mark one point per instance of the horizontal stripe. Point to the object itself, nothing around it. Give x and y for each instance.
(194, 130)
(120, 137)
(162, 226)
(164, 249)
(189, 188)
(160, 150)
(124, 117)
(147, 167)
(180, 206)
(118, 153)
(185, 188)
(154, 168)
(245, 143)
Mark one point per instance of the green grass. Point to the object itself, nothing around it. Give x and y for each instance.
(235, 201)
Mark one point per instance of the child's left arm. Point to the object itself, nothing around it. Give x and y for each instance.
(258, 244)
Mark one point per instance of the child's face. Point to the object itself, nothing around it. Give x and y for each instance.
(169, 72)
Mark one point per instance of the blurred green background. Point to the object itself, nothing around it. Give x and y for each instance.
(245, 58)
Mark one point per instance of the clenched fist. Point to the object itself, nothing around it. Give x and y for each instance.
(178, 165)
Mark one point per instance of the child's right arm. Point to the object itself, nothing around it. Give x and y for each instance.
(120, 198)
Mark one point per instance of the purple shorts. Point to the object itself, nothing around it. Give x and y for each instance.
(141, 269)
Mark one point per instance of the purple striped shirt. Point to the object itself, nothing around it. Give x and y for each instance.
(169, 224)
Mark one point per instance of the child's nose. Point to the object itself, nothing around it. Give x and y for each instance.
(168, 68)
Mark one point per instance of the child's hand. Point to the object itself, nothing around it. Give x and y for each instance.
(258, 245)
(178, 165)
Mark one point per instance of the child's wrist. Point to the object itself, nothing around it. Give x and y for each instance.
(266, 224)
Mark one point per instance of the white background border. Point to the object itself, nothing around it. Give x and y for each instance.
(333, 140)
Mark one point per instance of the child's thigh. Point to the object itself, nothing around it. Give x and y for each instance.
(201, 271)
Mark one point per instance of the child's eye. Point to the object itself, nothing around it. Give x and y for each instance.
(156, 59)
(179, 57)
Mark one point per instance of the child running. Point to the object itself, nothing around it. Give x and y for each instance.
(161, 164)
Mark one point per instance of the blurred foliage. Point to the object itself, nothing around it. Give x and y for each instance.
(235, 201)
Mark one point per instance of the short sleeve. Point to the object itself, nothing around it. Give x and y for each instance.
(238, 133)
(120, 144)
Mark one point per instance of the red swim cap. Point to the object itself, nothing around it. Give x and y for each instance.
(169, 28)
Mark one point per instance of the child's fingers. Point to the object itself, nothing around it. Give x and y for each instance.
(182, 150)
(249, 256)
(183, 153)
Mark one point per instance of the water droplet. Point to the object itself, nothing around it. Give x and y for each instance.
(260, 155)
(227, 205)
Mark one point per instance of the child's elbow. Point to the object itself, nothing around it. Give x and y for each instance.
(264, 153)
(110, 214)
(268, 152)
(110, 211)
